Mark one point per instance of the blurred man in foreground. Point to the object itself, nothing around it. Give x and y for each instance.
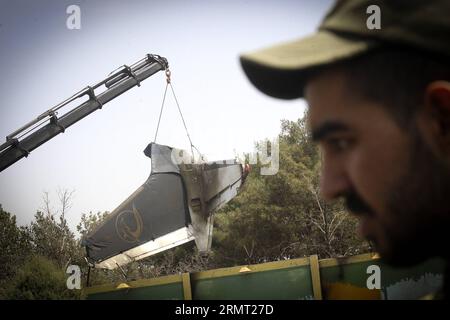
(376, 77)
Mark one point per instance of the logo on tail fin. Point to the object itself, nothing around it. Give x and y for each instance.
(129, 225)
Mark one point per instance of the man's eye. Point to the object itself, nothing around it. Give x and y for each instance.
(337, 144)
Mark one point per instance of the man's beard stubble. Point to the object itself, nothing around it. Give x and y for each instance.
(420, 207)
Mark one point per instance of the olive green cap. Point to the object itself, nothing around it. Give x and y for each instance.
(350, 30)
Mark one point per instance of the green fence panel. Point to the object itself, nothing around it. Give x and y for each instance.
(352, 273)
(345, 278)
(288, 283)
(170, 291)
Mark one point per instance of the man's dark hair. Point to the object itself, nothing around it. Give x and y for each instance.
(395, 77)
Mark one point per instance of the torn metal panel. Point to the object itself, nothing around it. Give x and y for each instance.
(209, 187)
(168, 241)
(175, 205)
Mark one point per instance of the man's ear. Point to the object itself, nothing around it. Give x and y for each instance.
(435, 120)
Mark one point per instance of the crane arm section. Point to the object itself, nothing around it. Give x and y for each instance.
(49, 124)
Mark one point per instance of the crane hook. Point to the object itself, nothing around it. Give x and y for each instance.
(168, 73)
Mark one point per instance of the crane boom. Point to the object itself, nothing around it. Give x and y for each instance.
(27, 138)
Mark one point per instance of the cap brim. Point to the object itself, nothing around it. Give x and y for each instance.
(281, 71)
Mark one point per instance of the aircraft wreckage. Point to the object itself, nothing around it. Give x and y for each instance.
(175, 205)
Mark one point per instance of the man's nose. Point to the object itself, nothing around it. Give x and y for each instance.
(334, 181)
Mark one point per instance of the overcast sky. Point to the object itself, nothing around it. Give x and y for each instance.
(100, 157)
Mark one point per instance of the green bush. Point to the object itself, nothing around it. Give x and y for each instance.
(40, 279)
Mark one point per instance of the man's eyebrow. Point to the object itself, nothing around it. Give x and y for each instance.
(327, 128)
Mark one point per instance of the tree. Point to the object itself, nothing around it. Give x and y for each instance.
(90, 221)
(51, 237)
(15, 247)
(282, 216)
(40, 278)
